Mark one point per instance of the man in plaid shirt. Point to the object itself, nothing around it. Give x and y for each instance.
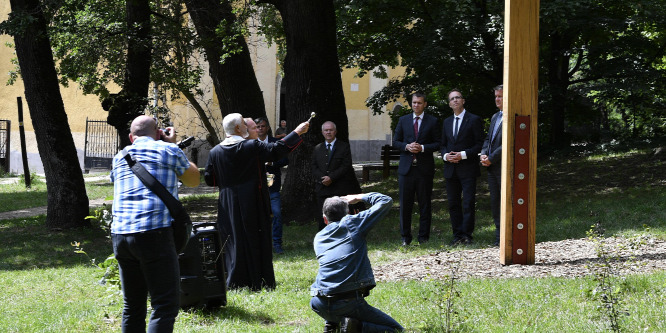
(141, 231)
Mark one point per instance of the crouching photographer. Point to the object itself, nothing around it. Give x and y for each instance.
(143, 239)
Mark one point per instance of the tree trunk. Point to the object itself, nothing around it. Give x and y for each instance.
(313, 84)
(212, 136)
(132, 99)
(66, 192)
(236, 85)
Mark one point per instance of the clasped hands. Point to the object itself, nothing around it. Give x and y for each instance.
(414, 147)
(453, 157)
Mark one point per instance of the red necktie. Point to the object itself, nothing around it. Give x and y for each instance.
(416, 128)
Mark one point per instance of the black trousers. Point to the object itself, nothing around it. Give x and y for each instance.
(461, 195)
(415, 185)
(495, 187)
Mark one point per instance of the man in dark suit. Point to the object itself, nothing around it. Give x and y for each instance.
(417, 137)
(273, 168)
(332, 168)
(462, 139)
(491, 157)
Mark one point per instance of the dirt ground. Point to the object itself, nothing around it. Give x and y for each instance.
(568, 258)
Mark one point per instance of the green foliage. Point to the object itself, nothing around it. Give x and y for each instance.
(89, 42)
(103, 217)
(34, 179)
(271, 27)
(109, 269)
(602, 63)
(443, 44)
(608, 291)
(447, 293)
(6, 174)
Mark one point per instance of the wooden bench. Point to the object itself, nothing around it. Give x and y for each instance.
(388, 154)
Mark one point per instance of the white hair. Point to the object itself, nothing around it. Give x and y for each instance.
(230, 122)
(326, 122)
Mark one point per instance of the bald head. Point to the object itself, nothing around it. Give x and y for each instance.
(143, 126)
(251, 129)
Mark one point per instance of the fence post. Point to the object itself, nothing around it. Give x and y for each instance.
(24, 154)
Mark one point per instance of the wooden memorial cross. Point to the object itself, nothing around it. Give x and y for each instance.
(519, 132)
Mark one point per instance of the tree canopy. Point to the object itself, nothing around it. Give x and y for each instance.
(601, 62)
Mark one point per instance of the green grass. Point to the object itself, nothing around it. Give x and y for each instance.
(62, 289)
(17, 196)
(46, 287)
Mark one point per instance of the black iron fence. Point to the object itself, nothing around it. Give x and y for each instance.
(101, 145)
(5, 130)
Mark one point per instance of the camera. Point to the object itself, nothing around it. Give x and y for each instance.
(185, 143)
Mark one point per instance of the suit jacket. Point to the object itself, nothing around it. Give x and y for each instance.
(429, 137)
(496, 156)
(470, 139)
(338, 167)
(276, 169)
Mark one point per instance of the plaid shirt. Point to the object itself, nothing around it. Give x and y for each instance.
(135, 207)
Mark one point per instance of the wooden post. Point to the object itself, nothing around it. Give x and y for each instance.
(519, 132)
(24, 153)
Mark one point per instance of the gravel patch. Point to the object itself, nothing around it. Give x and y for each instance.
(568, 258)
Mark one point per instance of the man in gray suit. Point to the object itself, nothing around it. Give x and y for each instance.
(491, 157)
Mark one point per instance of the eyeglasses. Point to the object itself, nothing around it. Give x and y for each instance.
(454, 98)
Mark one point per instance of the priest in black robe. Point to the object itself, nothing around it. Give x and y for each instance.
(244, 223)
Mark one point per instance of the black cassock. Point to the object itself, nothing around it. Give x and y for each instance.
(243, 209)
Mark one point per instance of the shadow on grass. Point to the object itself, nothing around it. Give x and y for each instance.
(22, 199)
(28, 244)
(234, 312)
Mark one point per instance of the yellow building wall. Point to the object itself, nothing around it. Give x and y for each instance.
(363, 125)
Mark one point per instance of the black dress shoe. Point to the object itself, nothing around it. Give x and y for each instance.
(456, 241)
(331, 328)
(405, 243)
(466, 241)
(351, 325)
(423, 240)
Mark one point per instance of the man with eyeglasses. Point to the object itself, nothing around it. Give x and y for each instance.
(462, 139)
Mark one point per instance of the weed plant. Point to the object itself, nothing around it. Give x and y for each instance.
(608, 290)
(446, 295)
